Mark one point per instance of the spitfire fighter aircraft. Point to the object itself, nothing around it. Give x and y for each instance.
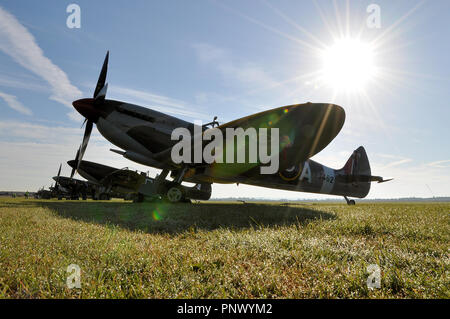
(124, 183)
(69, 188)
(302, 130)
(65, 187)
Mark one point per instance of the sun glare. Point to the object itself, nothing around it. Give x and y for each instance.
(348, 65)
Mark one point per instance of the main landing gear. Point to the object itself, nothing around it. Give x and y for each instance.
(172, 192)
(349, 201)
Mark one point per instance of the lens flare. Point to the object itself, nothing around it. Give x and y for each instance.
(156, 215)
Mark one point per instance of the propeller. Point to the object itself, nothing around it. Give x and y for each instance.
(59, 172)
(99, 97)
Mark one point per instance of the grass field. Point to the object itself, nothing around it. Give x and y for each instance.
(223, 250)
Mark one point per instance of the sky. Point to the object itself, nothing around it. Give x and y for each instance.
(200, 59)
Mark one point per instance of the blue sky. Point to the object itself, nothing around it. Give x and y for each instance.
(198, 59)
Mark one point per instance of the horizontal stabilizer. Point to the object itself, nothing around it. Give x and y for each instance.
(361, 179)
(380, 179)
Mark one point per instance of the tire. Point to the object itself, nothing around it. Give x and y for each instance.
(103, 196)
(174, 194)
(351, 202)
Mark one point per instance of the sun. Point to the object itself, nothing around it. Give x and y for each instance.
(348, 65)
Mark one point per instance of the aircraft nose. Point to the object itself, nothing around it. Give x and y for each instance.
(86, 108)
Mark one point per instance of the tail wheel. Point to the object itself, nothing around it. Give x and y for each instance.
(351, 202)
(175, 194)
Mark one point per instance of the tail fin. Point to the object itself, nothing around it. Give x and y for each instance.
(357, 174)
(357, 164)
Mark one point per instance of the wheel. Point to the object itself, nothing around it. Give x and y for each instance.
(351, 202)
(174, 194)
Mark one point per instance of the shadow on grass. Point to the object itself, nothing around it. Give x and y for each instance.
(171, 219)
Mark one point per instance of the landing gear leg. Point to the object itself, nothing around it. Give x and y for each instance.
(180, 175)
(159, 181)
(349, 201)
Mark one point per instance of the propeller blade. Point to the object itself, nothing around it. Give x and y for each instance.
(75, 168)
(72, 173)
(84, 144)
(87, 135)
(102, 77)
(101, 95)
(59, 172)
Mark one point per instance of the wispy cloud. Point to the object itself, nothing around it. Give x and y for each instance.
(155, 101)
(440, 164)
(246, 73)
(17, 42)
(13, 103)
(151, 97)
(399, 162)
(19, 131)
(19, 82)
(395, 160)
(32, 153)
